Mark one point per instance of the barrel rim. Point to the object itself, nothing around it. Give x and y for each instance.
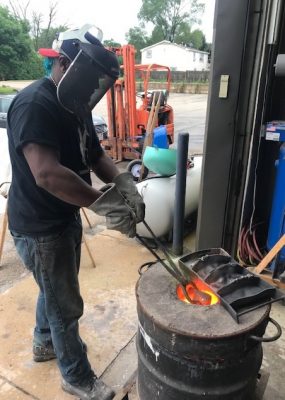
(155, 312)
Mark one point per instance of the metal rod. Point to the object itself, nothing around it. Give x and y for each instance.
(182, 279)
(180, 190)
(180, 275)
(168, 268)
(141, 239)
(172, 269)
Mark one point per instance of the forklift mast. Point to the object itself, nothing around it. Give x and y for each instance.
(127, 120)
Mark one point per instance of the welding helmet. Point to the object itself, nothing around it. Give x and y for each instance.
(93, 69)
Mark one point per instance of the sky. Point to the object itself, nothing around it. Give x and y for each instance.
(114, 17)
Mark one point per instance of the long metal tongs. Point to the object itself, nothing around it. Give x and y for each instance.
(182, 275)
(171, 267)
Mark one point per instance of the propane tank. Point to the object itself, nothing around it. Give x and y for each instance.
(159, 196)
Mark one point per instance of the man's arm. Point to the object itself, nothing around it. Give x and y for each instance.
(105, 168)
(58, 180)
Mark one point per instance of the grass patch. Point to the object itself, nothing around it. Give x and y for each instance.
(7, 90)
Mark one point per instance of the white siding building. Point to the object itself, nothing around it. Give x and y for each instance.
(175, 56)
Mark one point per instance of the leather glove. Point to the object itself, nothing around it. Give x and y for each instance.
(112, 205)
(125, 184)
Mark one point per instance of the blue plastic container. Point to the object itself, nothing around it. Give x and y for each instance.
(277, 218)
(160, 137)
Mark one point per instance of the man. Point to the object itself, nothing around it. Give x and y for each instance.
(53, 146)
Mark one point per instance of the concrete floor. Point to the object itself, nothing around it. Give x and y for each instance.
(189, 116)
(108, 324)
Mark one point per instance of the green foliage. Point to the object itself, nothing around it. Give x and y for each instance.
(195, 39)
(137, 36)
(156, 35)
(15, 45)
(184, 35)
(198, 39)
(169, 15)
(47, 36)
(111, 43)
(33, 68)
(18, 51)
(172, 20)
(7, 90)
(208, 48)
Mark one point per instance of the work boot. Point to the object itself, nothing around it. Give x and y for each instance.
(47, 353)
(92, 389)
(43, 353)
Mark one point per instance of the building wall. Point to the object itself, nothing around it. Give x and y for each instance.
(175, 57)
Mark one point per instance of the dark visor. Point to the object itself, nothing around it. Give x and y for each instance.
(90, 75)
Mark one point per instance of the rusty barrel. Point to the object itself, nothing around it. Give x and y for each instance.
(191, 352)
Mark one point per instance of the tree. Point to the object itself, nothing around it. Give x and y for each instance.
(137, 36)
(184, 35)
(111, 43)
(15, 45)
(44, 36)
(33, 68)
(198, 39)
(19, 10)
(172, 20)
(195, 39)
(47, 36)
(37, 19)
(169, 15)
(156, 35)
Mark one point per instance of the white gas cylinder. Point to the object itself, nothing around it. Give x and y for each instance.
(159, 197)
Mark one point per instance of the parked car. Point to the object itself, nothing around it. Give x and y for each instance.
(99, 123)
(5, 101)
(100, 126)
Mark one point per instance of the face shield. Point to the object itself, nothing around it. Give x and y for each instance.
(93, 71)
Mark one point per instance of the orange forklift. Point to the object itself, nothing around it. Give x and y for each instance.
(128, 111)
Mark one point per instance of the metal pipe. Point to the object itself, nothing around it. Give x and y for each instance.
(180, 190)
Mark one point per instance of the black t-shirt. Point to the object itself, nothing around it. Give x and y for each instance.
(35, 116)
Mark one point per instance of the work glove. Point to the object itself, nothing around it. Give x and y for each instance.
(112, 205)
(125, 184)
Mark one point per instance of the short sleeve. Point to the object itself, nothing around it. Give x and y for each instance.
(33, 123)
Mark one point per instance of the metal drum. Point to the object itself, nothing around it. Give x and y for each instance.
(191, 352)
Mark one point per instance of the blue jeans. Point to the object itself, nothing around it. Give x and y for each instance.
(54, 261)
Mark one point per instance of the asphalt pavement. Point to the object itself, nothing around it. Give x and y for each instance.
(189, 116)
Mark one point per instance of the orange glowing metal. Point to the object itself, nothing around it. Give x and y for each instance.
(195, 296)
